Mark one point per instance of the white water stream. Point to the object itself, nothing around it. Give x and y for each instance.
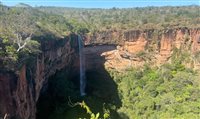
(82, 67)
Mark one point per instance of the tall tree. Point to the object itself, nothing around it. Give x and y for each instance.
(19, 23)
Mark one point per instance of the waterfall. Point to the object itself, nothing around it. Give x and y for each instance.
(82, 67)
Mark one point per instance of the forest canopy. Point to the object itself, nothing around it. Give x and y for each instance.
(131, 18)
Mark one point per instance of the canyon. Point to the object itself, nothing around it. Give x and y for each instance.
(112, 49)
(21, 88)
(150, 46)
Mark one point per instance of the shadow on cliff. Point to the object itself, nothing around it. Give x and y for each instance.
(99, 82)
(101, 89)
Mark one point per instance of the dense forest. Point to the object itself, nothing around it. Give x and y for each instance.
(130, 18)
(167, 92)
(24, 29)
(170, 91)
(23, 22)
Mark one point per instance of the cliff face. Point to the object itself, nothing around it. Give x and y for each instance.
(104, 37)
(152, 46)
(93, 59)
(21, 89)
(7, 87)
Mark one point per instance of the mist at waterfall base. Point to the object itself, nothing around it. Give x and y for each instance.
(82, 67)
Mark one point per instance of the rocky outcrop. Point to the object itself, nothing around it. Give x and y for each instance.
(136, 46)
(93, 58)
(104, 37)
(153, 46)
(8, 85)
(21, 89)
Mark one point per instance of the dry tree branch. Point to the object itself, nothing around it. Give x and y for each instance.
(5, 116)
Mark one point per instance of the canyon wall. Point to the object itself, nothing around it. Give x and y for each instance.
(20, 90)
(138, 47)
(120, 50)
(93, 59)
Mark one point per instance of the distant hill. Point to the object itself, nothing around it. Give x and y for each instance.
(43, 22)
(22, 5)
(131, 18)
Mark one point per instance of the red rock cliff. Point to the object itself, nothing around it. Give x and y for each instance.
(20, 90)
(152, 46)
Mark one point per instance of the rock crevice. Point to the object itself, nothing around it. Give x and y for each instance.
(21, 89)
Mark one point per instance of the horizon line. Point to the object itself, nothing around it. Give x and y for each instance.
(102, 3)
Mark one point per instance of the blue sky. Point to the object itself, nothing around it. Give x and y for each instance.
(103, 3)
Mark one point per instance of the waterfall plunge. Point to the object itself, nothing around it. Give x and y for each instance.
(82, 67)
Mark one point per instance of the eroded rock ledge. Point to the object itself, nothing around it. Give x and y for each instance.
(21, 89)
(153, 47)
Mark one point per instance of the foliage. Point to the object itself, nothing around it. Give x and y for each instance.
(80, 28)
(7, 52)
(171, 91)
(24, 23)
(93, 115)
(22, 29)
(130, 18)
(33, 47)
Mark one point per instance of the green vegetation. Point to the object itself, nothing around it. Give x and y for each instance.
(130, 18)
(60, 100)
(92, 115)
(170, 91)
(23, 30)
